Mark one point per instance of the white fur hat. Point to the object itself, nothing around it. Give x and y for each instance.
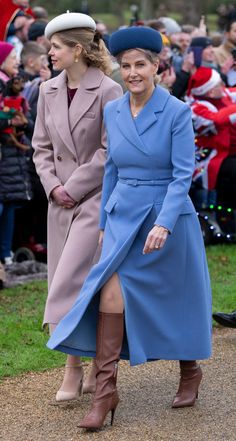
(70, 20)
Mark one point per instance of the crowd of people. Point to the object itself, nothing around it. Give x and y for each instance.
(24, 58)
(62, 105)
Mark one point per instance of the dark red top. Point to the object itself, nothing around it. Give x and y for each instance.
(70, 93)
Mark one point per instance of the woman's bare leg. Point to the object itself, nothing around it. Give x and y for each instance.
(111, 300)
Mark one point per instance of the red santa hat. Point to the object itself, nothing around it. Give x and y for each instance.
(203, 80)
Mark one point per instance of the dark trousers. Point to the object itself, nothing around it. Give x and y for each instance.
(226, 183)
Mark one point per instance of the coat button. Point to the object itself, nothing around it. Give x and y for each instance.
(59, 158)
(74, 159)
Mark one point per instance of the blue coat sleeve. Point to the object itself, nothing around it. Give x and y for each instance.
(109, 180)
(182, 158)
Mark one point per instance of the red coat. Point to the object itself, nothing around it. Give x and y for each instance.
(8, 13)
(215, 127)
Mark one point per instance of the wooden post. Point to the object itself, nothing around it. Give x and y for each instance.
(147, 9)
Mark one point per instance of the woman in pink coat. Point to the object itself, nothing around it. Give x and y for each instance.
(69, 143)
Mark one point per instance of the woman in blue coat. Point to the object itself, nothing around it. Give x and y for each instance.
(149, 295)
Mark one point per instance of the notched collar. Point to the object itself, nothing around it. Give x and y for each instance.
(147, 117)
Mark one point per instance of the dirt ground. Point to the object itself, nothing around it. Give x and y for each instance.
(28, 411)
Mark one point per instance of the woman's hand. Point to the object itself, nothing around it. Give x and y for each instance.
(100, 238)
(61, 197)
(228, 64)
(156, 239)
(188, 63)
(45, 73)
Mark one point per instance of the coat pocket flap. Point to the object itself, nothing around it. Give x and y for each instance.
(110, 204)
(188, 207)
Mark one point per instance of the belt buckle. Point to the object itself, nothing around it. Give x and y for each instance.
(134, 182)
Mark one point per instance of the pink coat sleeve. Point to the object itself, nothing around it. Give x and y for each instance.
(43, 151)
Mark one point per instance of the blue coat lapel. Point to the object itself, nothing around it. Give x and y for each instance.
(148, 116)
(126, 123)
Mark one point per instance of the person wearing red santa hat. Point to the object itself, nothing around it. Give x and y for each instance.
(214, 119)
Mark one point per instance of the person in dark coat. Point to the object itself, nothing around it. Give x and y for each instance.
(15, 184)
(149, 295)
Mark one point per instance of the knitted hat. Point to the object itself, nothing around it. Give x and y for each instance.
(134, 37)
(202, 81)
(36, 30)
(70, 20)
(201, 42)
(5, 50)
(198, 44)
(171, 25)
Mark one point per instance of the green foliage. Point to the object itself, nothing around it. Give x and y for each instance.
(23, 342)
(222, 264)
(213, 4)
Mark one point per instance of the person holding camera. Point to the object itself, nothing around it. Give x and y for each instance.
(199, 53)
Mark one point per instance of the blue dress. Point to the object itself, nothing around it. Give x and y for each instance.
(167, 293)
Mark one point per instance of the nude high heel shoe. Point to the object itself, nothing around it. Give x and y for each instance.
(109, 343)
(89, 385)
(190, 379)
(63, 395)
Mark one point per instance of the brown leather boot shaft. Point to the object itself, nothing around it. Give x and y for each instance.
(110, 332)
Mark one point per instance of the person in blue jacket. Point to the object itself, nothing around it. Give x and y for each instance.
(149, 296)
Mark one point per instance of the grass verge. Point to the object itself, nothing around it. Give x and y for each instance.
(22, 341)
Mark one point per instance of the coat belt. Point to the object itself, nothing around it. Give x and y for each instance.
(136, 182)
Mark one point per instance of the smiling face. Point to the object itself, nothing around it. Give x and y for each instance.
(11, 64)
(216, 92)
(62, 56)
(208, 54)
(138, 72)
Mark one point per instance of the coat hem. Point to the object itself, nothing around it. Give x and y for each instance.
(92, 354)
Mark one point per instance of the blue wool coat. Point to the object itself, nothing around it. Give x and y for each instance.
(167, 294)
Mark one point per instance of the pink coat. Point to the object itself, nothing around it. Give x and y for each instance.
(70, 150)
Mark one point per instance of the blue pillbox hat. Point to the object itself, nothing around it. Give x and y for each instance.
(135, 37)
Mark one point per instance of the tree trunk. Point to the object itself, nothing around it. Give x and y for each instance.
(147, 9)
(193, 10)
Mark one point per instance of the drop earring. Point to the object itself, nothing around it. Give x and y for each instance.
(76, 59)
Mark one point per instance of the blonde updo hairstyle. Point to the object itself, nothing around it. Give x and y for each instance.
(94, 51)
(151, 56)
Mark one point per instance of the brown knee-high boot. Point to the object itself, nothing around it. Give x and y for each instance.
(109, 343)
(190, 378)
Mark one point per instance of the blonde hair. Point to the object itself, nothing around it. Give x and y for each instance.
(150, 55)
(94, 50)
